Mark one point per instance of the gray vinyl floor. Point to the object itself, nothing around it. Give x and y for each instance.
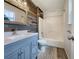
(52, 53)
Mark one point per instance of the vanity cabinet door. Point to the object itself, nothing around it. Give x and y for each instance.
(34, 48)
(21, 53)
(27, 52)
(24, 49)
(13, 55)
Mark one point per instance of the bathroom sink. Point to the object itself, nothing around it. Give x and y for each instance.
(18, 36)
(9, 37)
(13, 38)
(20, 32)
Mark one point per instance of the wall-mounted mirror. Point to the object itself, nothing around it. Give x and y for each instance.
(9, 15)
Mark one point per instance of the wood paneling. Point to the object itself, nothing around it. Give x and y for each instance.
(31, 6)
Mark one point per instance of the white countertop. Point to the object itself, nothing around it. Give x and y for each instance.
(14, 38)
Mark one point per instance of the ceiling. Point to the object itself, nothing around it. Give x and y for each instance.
(50, 5)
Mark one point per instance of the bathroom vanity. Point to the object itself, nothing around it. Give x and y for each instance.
(21, 46)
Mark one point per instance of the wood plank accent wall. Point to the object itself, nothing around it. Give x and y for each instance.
(32, 18)
(31, 6)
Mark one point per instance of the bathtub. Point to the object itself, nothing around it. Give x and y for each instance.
(51, 42)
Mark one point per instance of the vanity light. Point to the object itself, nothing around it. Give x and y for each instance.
(25, 3)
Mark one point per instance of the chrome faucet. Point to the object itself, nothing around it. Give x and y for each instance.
(14, 32)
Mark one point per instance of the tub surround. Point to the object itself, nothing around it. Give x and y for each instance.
(52, 27)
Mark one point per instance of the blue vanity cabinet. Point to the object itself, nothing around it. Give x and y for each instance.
(22, 49)
(18, 50)
(13, 55)
(34, 47)
(19, 53)
(25, 52)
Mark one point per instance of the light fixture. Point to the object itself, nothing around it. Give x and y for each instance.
(25, 3)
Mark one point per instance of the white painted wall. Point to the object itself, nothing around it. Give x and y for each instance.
(20, 16)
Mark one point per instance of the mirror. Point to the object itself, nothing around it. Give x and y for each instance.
(9, 15)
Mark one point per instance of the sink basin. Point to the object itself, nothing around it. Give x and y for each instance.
(13, 38)
(18, 36)
(21, 32)
(9, 38)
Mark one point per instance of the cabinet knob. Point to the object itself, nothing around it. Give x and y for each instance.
(19, 54)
